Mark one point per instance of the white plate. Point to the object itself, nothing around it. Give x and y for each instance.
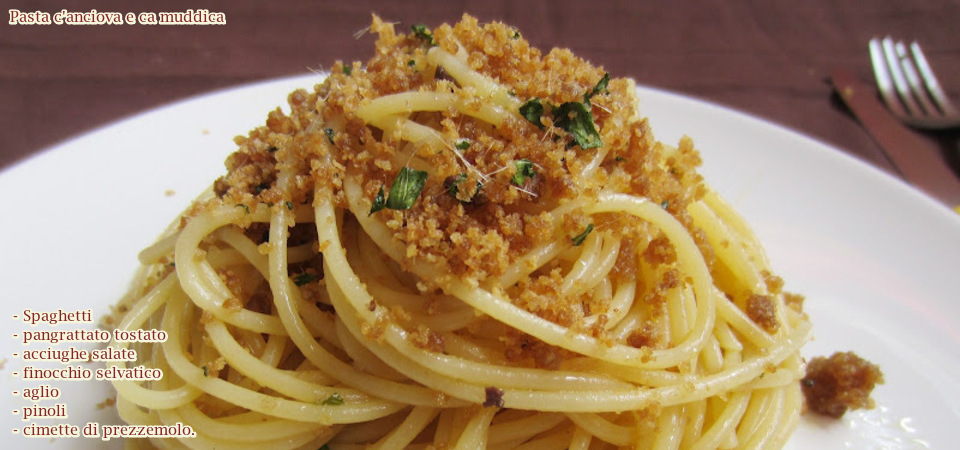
(877, 261)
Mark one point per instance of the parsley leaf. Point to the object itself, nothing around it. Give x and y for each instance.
(406, 188)
(304, 278)
(347, 70)
(333, 400)
(578, 239)
(599, 88)
(424, 34)
(378, 202)
(453, 182)
(289, 205)
(532, 110)
(575, 118)
(329, 133)
(525, 170)
(404, 191)
(462, 144)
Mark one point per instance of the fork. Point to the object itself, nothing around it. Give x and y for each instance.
(909, 87)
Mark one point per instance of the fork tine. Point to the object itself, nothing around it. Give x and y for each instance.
(913, 79)
(899, 80)
(884, 81)
(930, 80)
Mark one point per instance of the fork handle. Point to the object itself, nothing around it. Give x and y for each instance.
(917, 160)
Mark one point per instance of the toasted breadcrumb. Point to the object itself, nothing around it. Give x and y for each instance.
(477, 229)
(838, 383)
(762, 310)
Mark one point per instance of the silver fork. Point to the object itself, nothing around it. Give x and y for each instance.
(909, 87)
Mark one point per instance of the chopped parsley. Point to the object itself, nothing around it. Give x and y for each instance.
(333, 400)
(272, 149)
(329, 133)
(453, 183)
(289, 205)
(601, 87)
(245, 207)
(411, 63)
(578, 239)
(525, 170)
(404, 191)
(347, 70)
(378, 202)
(516, 35)
(532, 110)
(462, 144)
(206, 372)
(575, 118)
(665, 204)
(406, 188)
(304, 278)
(424, 34)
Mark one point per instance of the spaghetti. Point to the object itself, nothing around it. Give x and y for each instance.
(463, 244)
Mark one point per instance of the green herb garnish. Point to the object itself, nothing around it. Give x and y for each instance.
(378, 202)
(462, 144)
(406, 188)
(423, 33)
(411, 63)
(532, 110)
(333, 400)
(404, 191)
(205, 371)
(575, 118)
(347, 70)
(599, 88)
(304, 278)
(329, 133)
(289, 205)
(454, 182)
(578, 239)
(245, 207)
(525, 170)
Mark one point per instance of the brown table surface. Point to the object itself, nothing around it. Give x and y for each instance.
(770, 58)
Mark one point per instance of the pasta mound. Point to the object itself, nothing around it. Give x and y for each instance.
(464, 243)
